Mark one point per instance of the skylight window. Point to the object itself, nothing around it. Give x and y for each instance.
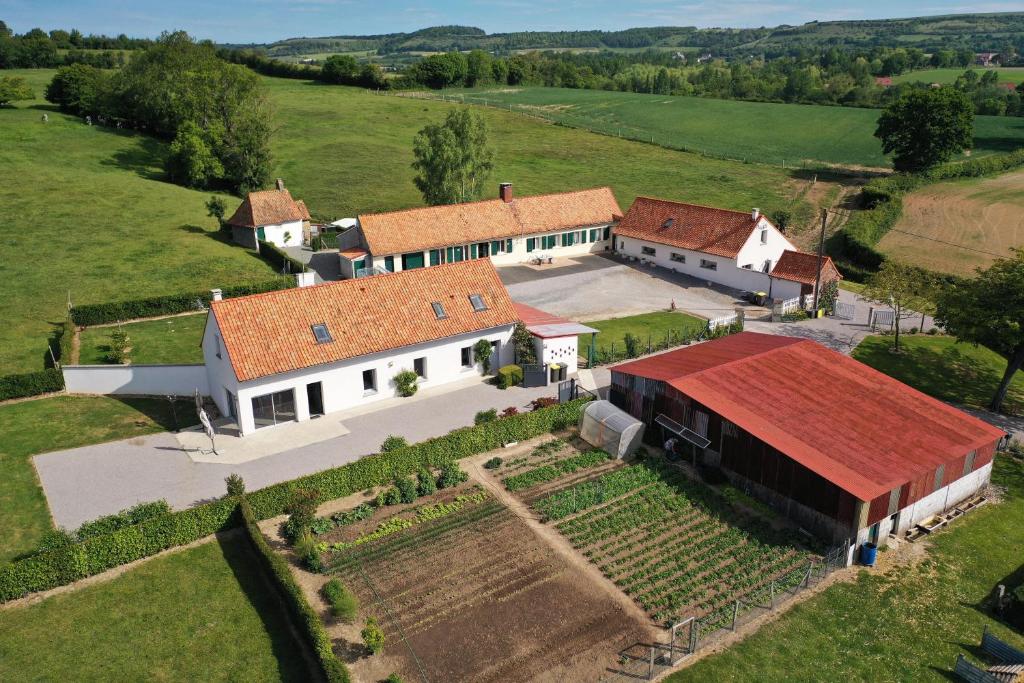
(438, 310)
(478, 302)
(668, 224)
(321, 334)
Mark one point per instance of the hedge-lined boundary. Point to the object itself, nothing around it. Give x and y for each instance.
(854, 247)
(169, 304)
(31, 384)
(302, 613)
(67, 564)
(281, 261)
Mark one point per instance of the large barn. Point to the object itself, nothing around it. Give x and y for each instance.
(846, 451)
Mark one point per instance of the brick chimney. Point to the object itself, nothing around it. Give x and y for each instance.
(505, 192)
(280, 185)
(216, 294)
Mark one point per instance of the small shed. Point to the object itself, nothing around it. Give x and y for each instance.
(613, 430)
(554, 338)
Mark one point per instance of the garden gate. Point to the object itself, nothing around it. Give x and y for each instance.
(844, 311)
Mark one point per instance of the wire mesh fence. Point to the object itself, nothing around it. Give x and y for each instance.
(633, 346)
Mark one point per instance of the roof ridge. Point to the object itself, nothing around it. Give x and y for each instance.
(699, 206)
(485, 201)
(767, 352)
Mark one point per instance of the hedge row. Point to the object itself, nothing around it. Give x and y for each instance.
(115, 311)
(67, 564)
(301, 612)
(281, 261)
(31, 384)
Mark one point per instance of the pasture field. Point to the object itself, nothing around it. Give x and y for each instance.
(205, 613)
(957, 226)
(167, 340)
(762, 132)
(1008, 74)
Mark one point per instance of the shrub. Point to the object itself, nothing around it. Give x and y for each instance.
(451, 475)
(543, 402)
(343, 603)
(373, 636)
(301, 509)
(125, 518)
(393, 678)
(235, 484)
(493, 463)
(281, 261)
(485, 416)
(406, 382)
(632, 343)
(55, 538)
(510, 411)
(913, 330)
(482, 352)
(393, 443)
(390, 496)
(306, 552)
(31, 384)
(510, 376)
(426, 483)
(933, 331)
(406, 489)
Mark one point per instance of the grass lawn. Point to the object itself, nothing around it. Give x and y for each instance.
(1009, 74)
(755, 131)
(50, 424)
(171, 340)
(906, 624)
(203, 614)
(944, 369)
(652, 326)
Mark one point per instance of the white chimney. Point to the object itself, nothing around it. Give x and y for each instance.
(755, 213)
(304, 279)
(280, 185)
(216, 294)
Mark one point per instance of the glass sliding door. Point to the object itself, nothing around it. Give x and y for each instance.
(271, 409)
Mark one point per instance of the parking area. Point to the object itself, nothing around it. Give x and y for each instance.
(599, 287)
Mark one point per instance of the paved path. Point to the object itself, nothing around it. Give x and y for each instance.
(85, 483)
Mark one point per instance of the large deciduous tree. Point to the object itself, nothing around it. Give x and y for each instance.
(14, 88)
(926, 127)
(453, 158)
(78, 89)
(989, 311)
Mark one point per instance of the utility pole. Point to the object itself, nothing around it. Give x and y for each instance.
(821, 250)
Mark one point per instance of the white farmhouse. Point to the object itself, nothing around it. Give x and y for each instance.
(270, 216)
(508, 230)
(733, 248)
(293, 354)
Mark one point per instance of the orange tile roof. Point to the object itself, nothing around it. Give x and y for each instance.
(268, 207)
(270, 333)
(353, 253)
(801, 266)
(397, 232)
(721, 232)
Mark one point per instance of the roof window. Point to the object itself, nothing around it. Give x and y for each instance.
(668, 224)
(478, 302)
(321, 334)
(438, 310)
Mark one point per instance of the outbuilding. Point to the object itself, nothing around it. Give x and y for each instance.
(556, 340)
(846, 451)
(270, 216)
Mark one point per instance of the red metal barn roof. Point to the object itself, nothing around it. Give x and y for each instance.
(859, 428)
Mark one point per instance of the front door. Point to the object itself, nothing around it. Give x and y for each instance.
(315, 395)
(495, 356)
(261, 234)
(232, 410)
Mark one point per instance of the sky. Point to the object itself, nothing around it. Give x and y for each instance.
(260, 21)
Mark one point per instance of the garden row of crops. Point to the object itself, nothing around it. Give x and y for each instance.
(671, 544)
(544, 473)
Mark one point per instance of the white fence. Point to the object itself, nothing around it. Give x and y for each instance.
(145, 380)
(722, 320)
(790, 305)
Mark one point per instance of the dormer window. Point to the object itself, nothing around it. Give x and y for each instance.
(438, 310)
(321, 334)
(478, 303)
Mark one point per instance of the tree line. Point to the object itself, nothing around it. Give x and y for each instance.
(215, 114)
(38, 49)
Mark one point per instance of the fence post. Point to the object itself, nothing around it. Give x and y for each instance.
(771, 599)
(694, 635)
(810, 568)
(735, 613)
(650, 665)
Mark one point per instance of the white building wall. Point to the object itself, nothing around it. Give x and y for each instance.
(561, 350)
(275, 234)
(139, 380)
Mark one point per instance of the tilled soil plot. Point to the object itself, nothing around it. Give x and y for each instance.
(476, 596)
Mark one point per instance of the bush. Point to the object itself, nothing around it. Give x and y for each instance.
(482, 351)
(393, 443)
(933, 331)
(301, 511)
(406, 382)
(282, 262)
(510, 411)
(393, 678)
(31, 384)
(510, 376)
(307, 553)
(373, 636)
(235, 484)
(543, 402)
(426, 483)
(485, 416)
(389, 496)
(406, 489)
(913, 330)
(55, 538)
(343, 603)
(451, 475)
(493, 463)
(632, 343)
(133, 515)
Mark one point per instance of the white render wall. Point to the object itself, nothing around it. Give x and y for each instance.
(342, 382)
(560, 350)
(139, 380)
(275, 234)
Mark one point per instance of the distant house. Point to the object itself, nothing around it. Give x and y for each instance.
(883, 81)
(508, 230)
(705, 58)
(986, 58)
(738, 249)
(271, 216)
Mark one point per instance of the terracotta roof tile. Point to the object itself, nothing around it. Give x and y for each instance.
(398, 232)
(801, 266)
(721, 232)
(268, 207)
(266, 334)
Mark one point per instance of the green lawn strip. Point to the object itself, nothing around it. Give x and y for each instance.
(169, 340)
(49, 424)
(654, 327)
(202, 614)
(907, 624)
(548, 472)
(940, 367)
(1009, 74)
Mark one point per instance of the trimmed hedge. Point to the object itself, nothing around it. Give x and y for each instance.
(510, 376)
(302, 613)
(116, 311)
(67, 564)
(281, 261)
(31, 384)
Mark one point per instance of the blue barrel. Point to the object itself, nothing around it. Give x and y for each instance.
(868, 552)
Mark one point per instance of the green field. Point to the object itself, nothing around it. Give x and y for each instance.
(754, 131)
(170, 340)
(51, 424)
(1009, 74)
(203, 614)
